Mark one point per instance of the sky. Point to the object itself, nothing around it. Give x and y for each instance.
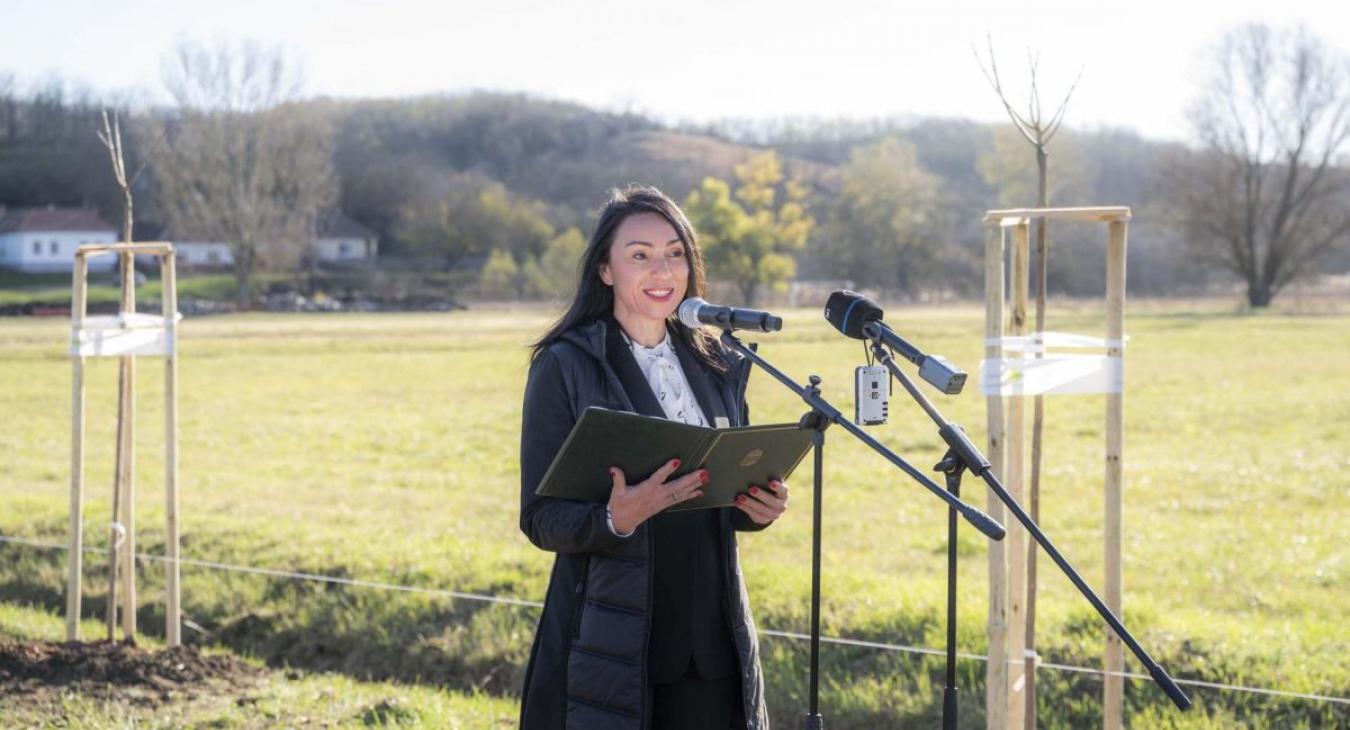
(694, 60)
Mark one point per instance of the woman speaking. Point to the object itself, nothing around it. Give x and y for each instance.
(646, 623)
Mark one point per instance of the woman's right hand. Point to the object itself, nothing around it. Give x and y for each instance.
(630, 506)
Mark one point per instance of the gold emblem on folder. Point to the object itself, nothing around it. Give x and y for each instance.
(754, 456)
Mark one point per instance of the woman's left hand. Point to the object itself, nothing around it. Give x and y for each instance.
(764, 505)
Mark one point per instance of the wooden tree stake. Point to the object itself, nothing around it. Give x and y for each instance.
(996, 671)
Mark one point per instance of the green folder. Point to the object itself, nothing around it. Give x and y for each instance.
(735, 458)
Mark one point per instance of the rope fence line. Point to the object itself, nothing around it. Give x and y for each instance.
(882, 646)
(274, 573)
(1058, 667)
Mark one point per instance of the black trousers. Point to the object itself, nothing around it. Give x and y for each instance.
(694, 703)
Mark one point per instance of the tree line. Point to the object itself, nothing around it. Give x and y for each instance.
(505, 186)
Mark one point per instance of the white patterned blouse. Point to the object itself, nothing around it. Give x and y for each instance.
(661, 366)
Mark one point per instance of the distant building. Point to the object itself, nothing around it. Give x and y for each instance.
(341, 241)
(45, 239)
(203, 254)
(344, 241)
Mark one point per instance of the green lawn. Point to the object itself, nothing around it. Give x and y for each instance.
(104, 288)
(384, 447)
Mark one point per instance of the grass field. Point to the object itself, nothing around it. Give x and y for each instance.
(385, 448)
(269, 698)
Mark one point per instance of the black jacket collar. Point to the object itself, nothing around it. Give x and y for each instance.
(603, 340)
(620, 358)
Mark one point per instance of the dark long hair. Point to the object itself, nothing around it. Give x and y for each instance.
(594, 299)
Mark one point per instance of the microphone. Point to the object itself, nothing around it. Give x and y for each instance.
(860, 318)
(694, 313)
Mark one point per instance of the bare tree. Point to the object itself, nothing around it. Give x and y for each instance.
(245, 164)
(111, 137)
(1038, 132)
(1265, 197)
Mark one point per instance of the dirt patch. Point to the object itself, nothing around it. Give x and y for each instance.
(35, 672)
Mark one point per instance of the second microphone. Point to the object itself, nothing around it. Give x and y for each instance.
(695, 312)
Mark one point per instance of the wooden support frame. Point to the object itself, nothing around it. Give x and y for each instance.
(996, 676)
(124, 555)
(1005, 701)
(1014, 480)
(75, 558)
(1114, 692)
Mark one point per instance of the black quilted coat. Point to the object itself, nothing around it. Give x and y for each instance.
(588, 665)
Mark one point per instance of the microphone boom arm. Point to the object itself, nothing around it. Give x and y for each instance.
(981, 521)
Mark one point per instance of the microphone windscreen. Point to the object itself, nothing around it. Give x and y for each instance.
(688, 312)
(848, 311)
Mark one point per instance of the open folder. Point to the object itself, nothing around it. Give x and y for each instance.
(735, 458)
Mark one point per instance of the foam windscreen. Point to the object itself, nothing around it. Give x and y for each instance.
(848, 311)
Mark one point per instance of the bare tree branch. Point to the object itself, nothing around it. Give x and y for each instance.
(1032, 125)
(1058, 118)
(991, 75)
(111, 137)
(1034, 98)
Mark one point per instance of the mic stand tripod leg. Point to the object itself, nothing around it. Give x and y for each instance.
(951, 467)
(960, 444)
(823, 414)
(817, 422)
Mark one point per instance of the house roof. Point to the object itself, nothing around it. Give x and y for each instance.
(52, 219)
(340, 226)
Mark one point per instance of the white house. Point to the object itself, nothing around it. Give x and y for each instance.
(203, 254)
(341, 240)
(45, 239)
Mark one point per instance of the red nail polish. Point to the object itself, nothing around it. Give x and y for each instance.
(740, 499)
(703, 478)
(754, 490)
(676, 463)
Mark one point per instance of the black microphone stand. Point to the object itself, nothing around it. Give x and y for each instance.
(821, 415)
(963, 454)
(815, 421)
(951, 467)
